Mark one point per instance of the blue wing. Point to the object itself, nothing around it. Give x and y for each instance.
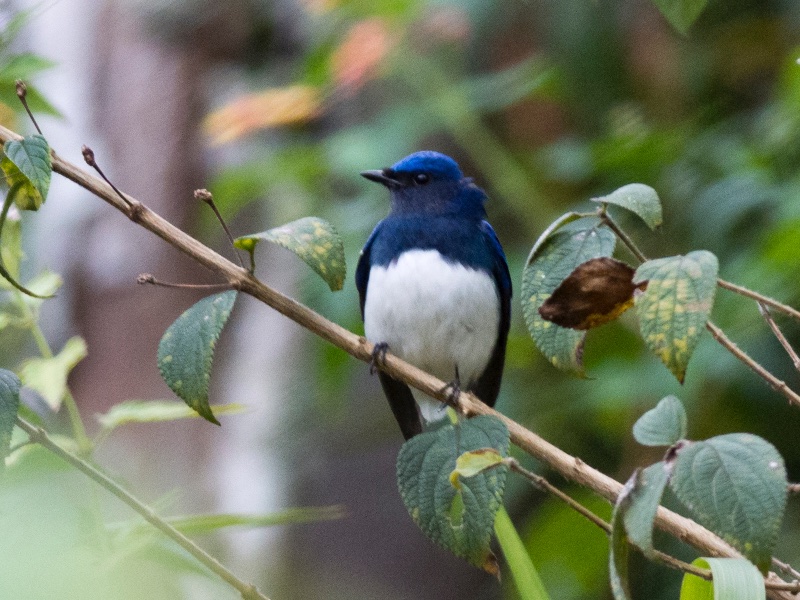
(363, 268)
(488, 385)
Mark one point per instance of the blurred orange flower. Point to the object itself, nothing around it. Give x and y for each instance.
(359, 56)
(274, 107)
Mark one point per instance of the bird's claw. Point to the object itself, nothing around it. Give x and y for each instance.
(378, 357)
(452, 392)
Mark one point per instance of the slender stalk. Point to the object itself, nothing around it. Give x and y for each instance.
(618, 231)
(76, 422)
(761, 298)
(764, 310)
(40, 436)
(777, 384)
(571, 467)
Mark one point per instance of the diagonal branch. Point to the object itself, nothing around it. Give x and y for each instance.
(571, 467)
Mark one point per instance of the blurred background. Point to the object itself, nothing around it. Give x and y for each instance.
(275, 107)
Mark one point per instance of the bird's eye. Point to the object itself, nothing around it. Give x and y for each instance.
(421, 178)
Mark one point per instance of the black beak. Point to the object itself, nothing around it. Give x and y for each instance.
(383, 176)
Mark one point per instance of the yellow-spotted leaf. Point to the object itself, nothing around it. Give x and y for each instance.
(312, 239)
(186, 350)
(675, 305)
(459, 517)
(554, 259)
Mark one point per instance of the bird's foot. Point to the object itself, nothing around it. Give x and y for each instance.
(378, 357)
(452, 393)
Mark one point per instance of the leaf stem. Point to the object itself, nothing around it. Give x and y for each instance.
(777, 384)
(205, 196)
(40, 436)
(22, 92)
(618, 231)
(761, 298)
(764, 310)
(146, 278)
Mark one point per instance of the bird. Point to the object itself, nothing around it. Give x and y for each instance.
(434, 286)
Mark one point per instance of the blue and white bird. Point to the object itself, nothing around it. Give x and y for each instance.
(434, 285)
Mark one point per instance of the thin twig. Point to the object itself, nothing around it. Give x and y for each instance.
(88, 157)
(22, 93)
(777, 384)
(743, 291)
(785, 568)
(205, 196)
(624, 237)
(764, 310)
(40, 436)
(147, 278)
(569, 466)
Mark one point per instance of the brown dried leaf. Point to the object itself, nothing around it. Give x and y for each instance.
(596, 292)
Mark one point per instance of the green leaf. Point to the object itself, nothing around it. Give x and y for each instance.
(22, 66)
(153, 411)
(186, 350)
(735, 485)
(663, 425)
(312, 239)
(681, 13)
(733, 579)
(560, 222)
(461, 518)
(549, 264)
(645, 496)
(640, 199)
(27, 167)
(9, 405)
(674, 308)
(48, 376)
(618, 545)
(526, 578)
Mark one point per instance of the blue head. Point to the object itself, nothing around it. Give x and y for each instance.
(430, 183)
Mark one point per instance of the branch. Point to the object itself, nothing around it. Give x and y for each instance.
(662, 557)
(760, 298)
(39, 436)
(764, 310)
(571, 467)
(777, 384)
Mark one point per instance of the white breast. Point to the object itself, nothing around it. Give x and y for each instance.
(434, 314)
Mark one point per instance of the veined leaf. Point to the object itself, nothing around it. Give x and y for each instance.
(663, 425)
(9, 405)
(553, 261)
(312, 239)
(675, 305)
(735, 485)
(460, 519)
(28, 168)
(186, 350)
(733, 579)
(640, 199)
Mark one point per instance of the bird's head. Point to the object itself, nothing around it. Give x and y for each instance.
(431, 183)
